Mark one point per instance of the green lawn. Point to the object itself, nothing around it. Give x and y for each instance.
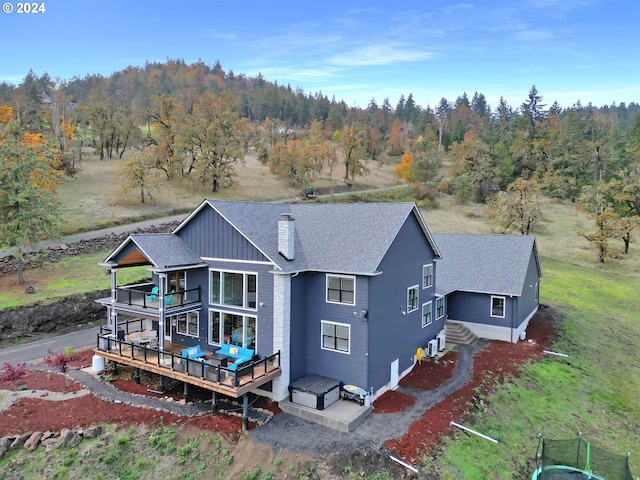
(74, 274)
(593, 391)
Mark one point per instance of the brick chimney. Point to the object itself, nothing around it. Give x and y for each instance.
(286, 230)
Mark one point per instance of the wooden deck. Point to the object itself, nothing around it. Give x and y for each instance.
(169, 363)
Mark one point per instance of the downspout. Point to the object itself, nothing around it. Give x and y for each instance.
(161, 290)
(513, 316)
(112, 311)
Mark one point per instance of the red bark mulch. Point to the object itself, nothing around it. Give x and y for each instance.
(33, 380)
(393, 401)
(497, 361)
(425, 376)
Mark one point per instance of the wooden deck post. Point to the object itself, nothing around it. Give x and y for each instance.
(245, 412)
(136, 376)
(161, 386)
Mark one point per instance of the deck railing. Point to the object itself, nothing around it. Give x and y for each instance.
(140, 295)
(244, 375)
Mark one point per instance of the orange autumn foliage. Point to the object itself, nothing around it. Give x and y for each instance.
(404, 170)
(6, 112)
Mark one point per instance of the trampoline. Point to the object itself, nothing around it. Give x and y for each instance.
(577, 459)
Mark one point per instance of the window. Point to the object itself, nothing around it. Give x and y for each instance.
(186, 323)
(341, 289)
(426, 314)
(335, 336)
(176, 281)
(235, 289)
(439, 307)
(231, 328)
(497, 306)
(427, 275)
(412, 298)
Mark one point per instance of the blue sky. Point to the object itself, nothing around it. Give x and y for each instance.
(572, 50)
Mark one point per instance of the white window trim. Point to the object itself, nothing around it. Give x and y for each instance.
(417, 289)
(245, 300)
(230, 312)
(504, 306)
(326, 289)
(322, 347)
(440, 297)
(422, 314)
(424, 285)
(187, 334)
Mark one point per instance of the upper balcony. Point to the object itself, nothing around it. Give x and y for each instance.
(143, 298)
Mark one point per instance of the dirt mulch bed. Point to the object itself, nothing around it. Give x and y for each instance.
(497, 361)
(35, 414)
(430, 373)
(393, 402)
(34, 380)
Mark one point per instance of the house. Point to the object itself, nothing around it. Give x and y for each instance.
(491, 282)
(345, 291)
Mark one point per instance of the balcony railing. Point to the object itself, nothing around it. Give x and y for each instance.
(141, 295)
(204, 369)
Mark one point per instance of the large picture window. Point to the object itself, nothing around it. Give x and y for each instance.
(439, 307)
(341, 289)
(412, 298)
(427, 275)
(235, 289)
(335, 336)
(497, 306)
(186, 323)
(426, 314)
(231, 328)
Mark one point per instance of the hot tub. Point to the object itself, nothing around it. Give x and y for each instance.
(314, 391)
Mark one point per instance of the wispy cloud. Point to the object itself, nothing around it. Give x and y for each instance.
(380, 54)
(220, 35)
(533, 36)
(14, 79)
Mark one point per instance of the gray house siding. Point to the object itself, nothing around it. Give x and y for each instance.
(393, 335)
(309, 309)
(528, 302)
(211, 236)
(476, 308)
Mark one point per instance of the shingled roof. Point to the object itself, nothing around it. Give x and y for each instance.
(495, 264)
(347, 238)
(162, 250)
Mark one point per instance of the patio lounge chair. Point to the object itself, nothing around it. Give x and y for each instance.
(153, 295)
(167, 298)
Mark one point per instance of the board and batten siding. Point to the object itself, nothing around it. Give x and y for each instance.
(211, 236)
(393, 335)
(308, 309)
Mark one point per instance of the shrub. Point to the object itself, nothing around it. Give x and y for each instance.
(11, 373)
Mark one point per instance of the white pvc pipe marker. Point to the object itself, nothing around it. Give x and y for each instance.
(473, 431)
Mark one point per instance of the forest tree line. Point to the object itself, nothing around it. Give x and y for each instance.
(199, 121)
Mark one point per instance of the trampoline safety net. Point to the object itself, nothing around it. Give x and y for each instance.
(582, 455)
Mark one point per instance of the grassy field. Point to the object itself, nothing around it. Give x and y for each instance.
(594, 390)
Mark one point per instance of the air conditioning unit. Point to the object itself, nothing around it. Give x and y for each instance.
(432, 348)
(441, 341)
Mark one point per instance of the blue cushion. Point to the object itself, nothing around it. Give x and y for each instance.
(193, 352)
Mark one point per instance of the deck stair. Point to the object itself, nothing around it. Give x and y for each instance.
(458, 334)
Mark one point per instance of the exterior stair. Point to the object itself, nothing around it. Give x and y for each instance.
(458, 334)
